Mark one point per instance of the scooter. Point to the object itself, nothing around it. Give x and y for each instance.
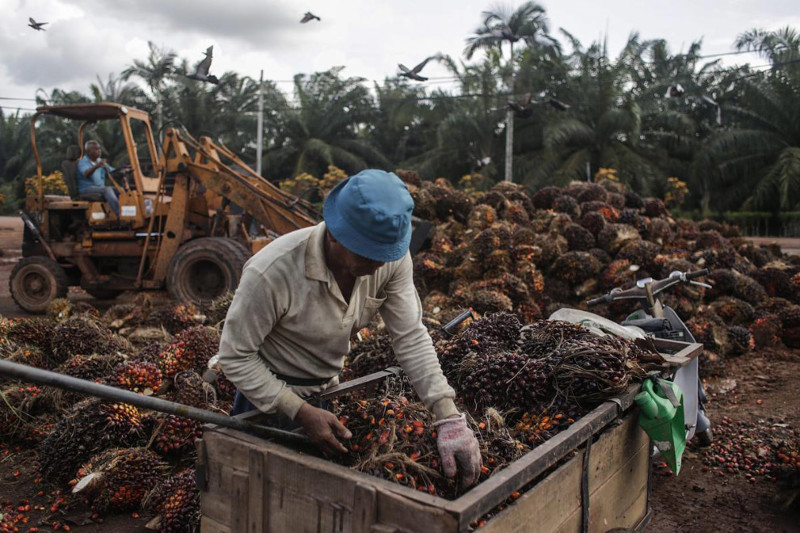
(655, 319)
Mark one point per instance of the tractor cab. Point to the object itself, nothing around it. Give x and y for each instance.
(135, 180)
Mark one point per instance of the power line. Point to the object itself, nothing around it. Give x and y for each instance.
(9, 98)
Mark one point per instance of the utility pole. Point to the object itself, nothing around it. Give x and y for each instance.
(260, 134)
(509, 175)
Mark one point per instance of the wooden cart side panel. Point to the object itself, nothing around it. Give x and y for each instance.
(408, 516)
(621, 502)
(618, 468)
(550, 506)
(208, 525)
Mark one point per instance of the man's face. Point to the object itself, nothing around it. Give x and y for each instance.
(355, 264)
(93, 151)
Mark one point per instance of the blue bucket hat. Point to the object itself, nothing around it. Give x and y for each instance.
(370, 215)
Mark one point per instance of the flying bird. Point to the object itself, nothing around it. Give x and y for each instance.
(522, 109)
(413, 73)
(309, 16)
(36, 25)
(675, 91)
(201, 72)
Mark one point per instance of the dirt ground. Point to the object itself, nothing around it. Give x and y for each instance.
(759, 388)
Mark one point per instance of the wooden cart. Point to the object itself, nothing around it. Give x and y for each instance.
(594, 476)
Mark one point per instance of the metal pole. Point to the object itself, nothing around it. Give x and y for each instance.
(509, 176)
(260, 133)
(54, 379)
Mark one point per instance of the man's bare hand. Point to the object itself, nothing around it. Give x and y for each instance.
(323, 428)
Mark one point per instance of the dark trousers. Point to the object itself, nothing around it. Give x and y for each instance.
(277, 420)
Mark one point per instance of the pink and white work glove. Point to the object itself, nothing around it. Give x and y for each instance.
(457, 444)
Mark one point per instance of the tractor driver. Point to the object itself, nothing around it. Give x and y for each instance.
(92, 174)
(301, 297)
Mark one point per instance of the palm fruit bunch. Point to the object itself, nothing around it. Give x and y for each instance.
(174, 435)
(191, 348)
(568, 205)
(766, 330)
(711, 364)
(176, 502)
(449, 202)
(88, 428)
(371, 353)
(494, 332)
(483, 301)
(618, 273)
(17, 410)
(790, 324)
(119, 312)
(593, 221)
(119, 478)
(733, 311)
(136, 376)
(504, 380)
(191, 389)
(614, 236)
(658, 231)
(575, 267)
(544, 197)
(641, 253)
(579, 238)
(592, 369)
(82, 336)
(35, 331)
(776, 281)
(150, 353)
(59, 309)
(174, 318)
(218, 308)
(741, 340)
(430, 273)
(710, 330)
(23, 354)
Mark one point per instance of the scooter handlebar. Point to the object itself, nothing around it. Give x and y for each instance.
(697, 274)
(598, 301)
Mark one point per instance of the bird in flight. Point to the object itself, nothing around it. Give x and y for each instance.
(522, 109)
(309, 16)
(201, 72)
(413, 73)
(36, 25)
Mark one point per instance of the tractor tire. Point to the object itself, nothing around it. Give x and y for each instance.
(206, 268)
(36, 281)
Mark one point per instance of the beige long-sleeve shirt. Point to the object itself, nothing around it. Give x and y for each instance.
(289, 317)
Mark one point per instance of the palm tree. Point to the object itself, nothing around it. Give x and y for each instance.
(117, 90)
(602, 128)
(500, 25)
(154, 71)
(758, 160)
(327, 128)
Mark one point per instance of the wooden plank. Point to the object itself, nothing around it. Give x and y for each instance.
(409, 516)
(365, 508)
(546, 506)
(257, 517)
(622, 500)
(239, 502)
(497, 488)
(207, 525)
(614, 447)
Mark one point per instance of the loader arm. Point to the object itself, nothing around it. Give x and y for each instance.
(236, 181)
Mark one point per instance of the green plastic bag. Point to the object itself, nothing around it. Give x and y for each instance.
(661, 417)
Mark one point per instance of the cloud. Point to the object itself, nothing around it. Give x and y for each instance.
(256, 22)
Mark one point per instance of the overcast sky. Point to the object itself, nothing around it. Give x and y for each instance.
(89, 38)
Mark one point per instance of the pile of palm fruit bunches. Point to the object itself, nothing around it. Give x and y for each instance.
(511, 256)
